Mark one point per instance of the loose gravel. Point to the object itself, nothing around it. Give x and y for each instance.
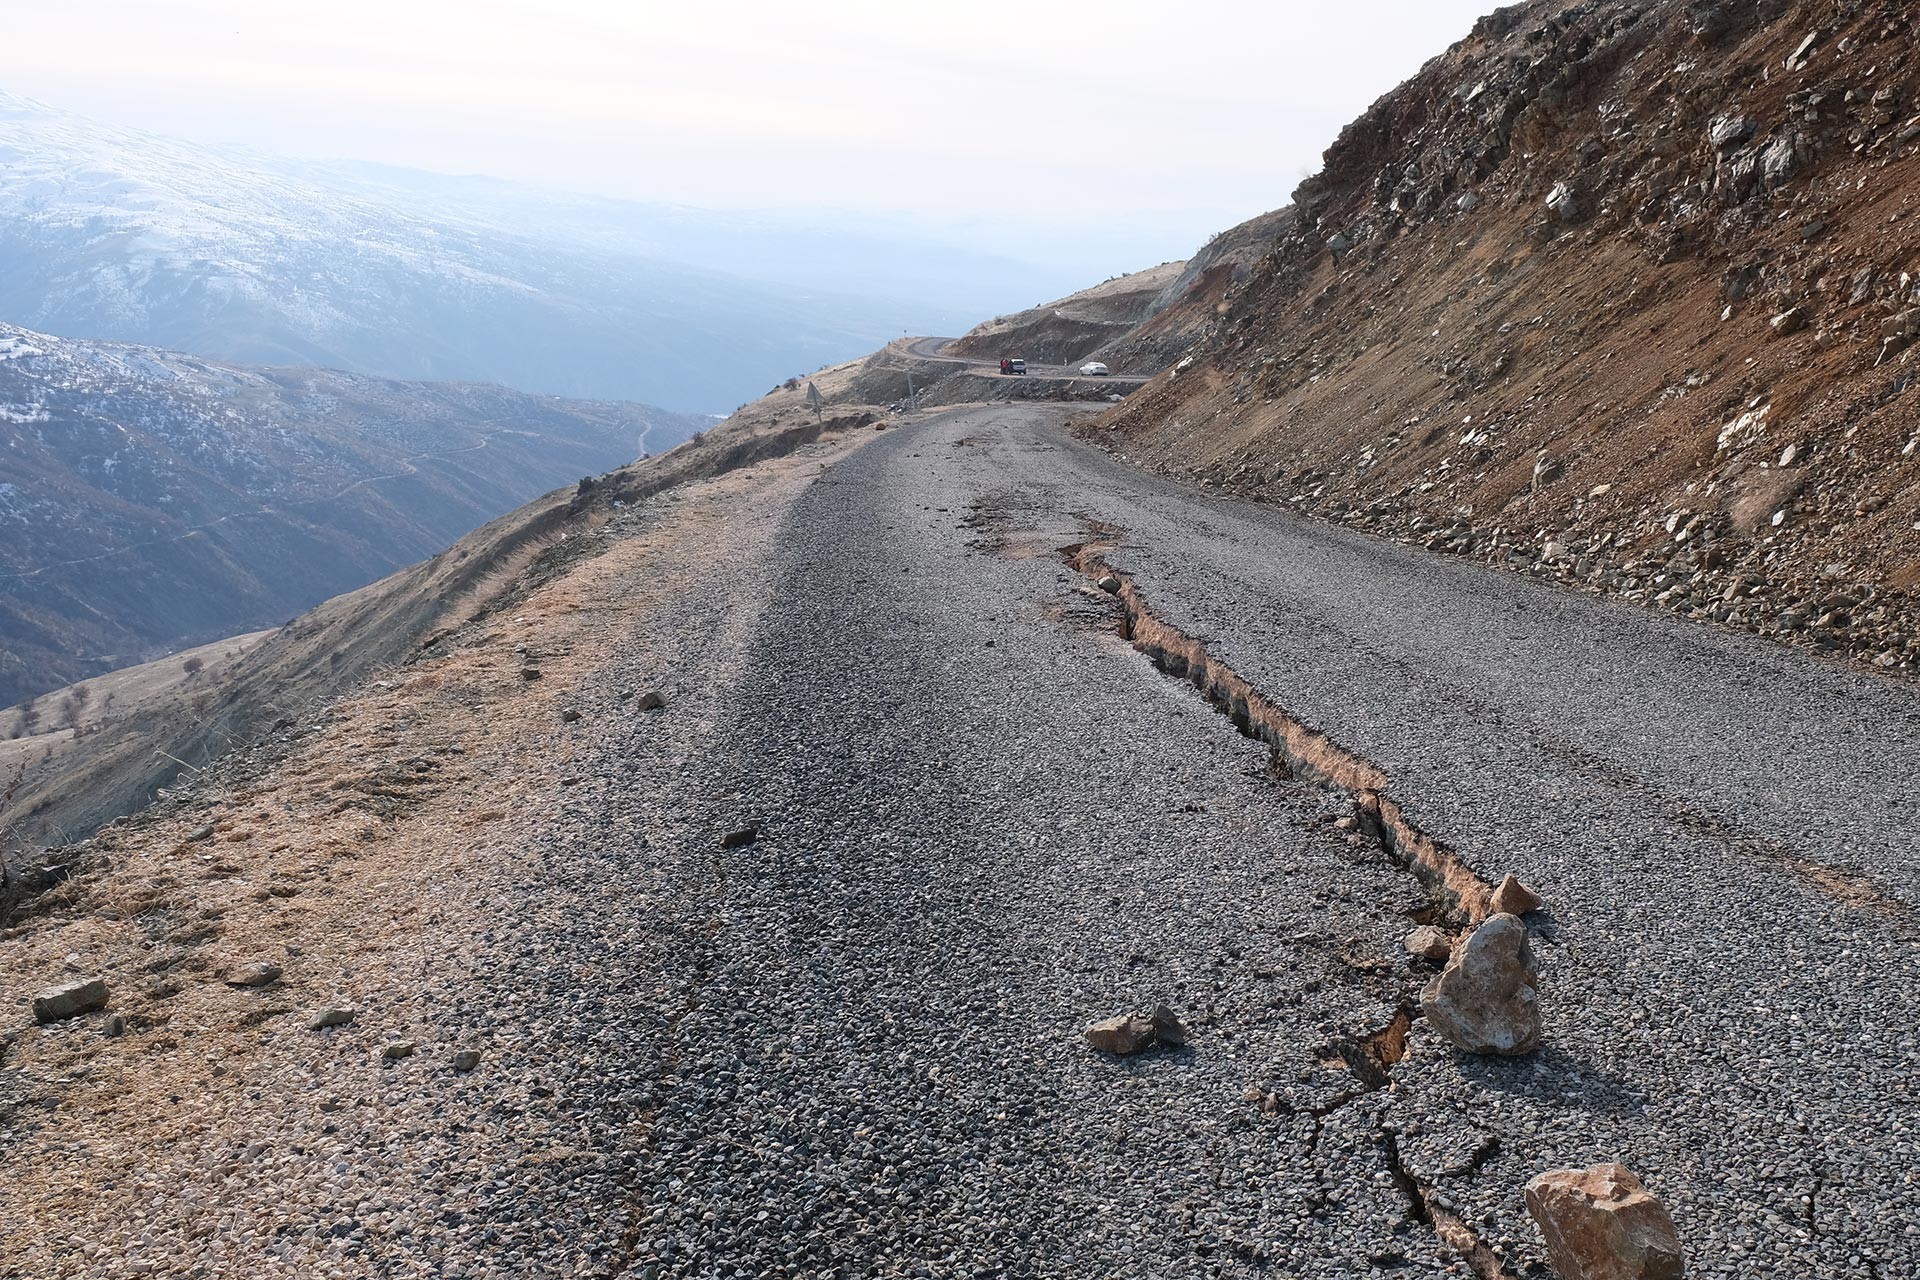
(851, 1045)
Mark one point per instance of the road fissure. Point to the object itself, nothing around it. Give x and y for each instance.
(1299, 750)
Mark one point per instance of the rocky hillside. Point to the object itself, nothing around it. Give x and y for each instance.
(150, 500)
(1138, 323)
(1190, 302)
(1074, 327)
(1615, 291)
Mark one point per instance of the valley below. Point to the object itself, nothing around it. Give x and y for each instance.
(151, 501)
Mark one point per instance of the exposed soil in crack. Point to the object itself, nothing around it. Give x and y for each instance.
(1372, 1057)
(1299, 750)
(1372, 1060)
(1460, 895)
(1423, 1207)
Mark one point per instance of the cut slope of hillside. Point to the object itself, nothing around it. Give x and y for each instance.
(1189, 306)
(150, 500)
(1071, 328)
(1615, 292)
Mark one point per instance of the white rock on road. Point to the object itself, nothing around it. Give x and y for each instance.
(1485, 1000)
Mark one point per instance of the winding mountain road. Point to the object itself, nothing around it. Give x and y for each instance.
(936, 349)
(787, 975)
(980, 821)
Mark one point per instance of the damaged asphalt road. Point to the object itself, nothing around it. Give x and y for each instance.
(983, 821)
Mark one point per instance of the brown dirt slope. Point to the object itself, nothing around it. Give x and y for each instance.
(1615, 292)
(1072, 328)
(58, 787)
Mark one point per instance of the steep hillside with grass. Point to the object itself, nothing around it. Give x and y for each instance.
(150, 500)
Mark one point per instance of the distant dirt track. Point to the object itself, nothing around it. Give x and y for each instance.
(932, 349)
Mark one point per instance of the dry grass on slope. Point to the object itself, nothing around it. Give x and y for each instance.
(199, 1128)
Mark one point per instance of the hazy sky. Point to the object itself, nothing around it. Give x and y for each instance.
(1158, 123)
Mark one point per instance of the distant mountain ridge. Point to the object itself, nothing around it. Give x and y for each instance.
(115, 234)
(150, 500)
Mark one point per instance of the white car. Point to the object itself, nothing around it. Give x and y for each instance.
(1093, 369)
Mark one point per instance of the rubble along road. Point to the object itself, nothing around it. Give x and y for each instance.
(932, 818)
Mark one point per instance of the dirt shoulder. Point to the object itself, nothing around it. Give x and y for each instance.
(194, 1126)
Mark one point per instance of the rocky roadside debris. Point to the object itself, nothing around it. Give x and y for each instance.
(1654, 329)
(1513, 898)
(70, 1001)
(1486, 1000)
(1855, 617)
(1133, 1033)
(1693, 563)
(1598, 1223)
(1601, 1224)
(1430, 943)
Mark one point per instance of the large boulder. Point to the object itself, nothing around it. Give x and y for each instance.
(1601, 1224)
(70, 1000)
(1137, 1032)
(1486, 1000)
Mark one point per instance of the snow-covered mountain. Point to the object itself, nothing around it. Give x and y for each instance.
(150, 500)
(112, 233)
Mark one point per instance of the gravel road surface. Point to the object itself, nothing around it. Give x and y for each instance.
(789, 977)
(981, 822)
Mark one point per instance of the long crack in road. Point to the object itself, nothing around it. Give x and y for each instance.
(969, 737)
(971, 819)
